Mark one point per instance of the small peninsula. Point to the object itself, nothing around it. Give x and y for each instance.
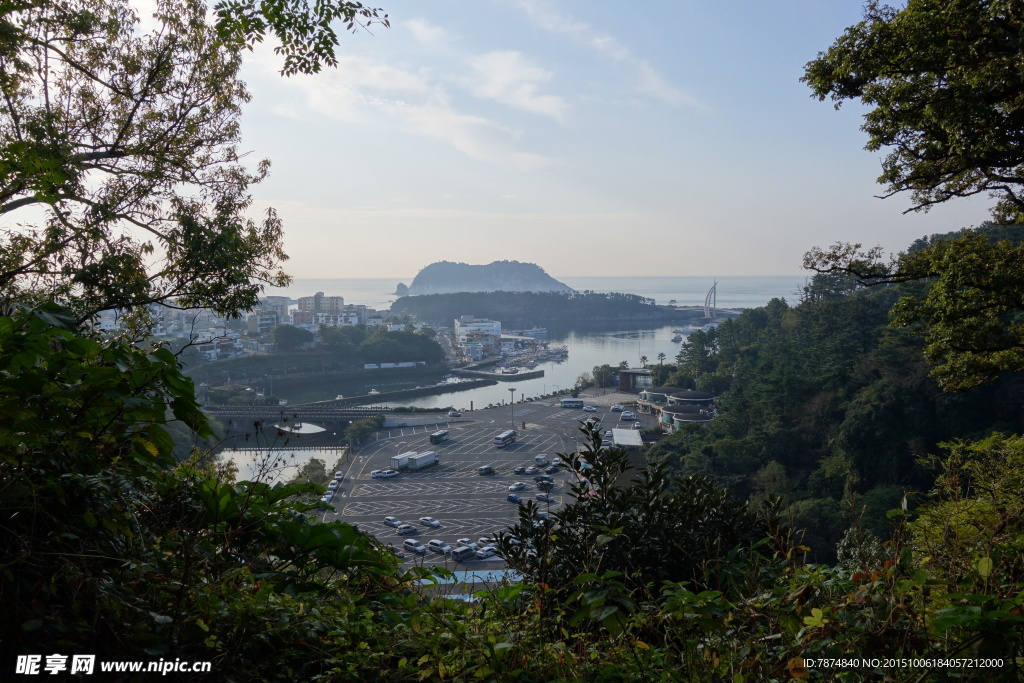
(446, 277)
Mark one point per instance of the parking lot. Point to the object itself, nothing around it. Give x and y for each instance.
(466, 503)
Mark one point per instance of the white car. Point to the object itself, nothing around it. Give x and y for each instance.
(333, 485)
(486, 551)
(608, 434)
(531, 470)
(431, 522)
(466, 543)
(518, 486)
(557, 462)
(387, 474)
(439, 546)
(339, 476)
(375, 474)
(617, 409)
(454, 413)
(393, 521)
(628, 416)
(406, 529)
(589, 409)
(414, 545)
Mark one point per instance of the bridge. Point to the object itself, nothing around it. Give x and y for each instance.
(299, 412)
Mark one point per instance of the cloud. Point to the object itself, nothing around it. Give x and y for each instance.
(366, 91)
(509, 78)
(427, 34)
(649, 81)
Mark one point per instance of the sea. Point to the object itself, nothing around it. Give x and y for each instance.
(733, 291)
(587, 349)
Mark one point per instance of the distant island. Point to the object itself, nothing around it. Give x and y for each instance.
(445, 277)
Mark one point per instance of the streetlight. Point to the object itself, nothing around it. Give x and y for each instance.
(512, 402)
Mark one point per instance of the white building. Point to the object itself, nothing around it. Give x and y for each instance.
(467, 326)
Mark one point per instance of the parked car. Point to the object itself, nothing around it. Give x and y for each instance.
(454, 413)
(617, 409)
(531, 470)
(325, 499)
(519, 470)
(466, 543)
(544, 477)
(339, 476)
(608, 434)
(487, 551)
(517, 486)
(393, 521)
(551, 469)
(627, 416)
(545, 485)
(483, 541)
(387, 474)
(545, 498)
(438, 546)
(406, 529)
(556, 462)
(589, 409)
(375, 474)
(606, 442)
(463, 553)
(513, 498)
(431, 522)
(333, 485)
(395, 551)
(485, 470)
(415, 546)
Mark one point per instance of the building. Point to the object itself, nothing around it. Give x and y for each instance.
(318, 303)
(277, 304)
(467, 326)
(634, 379)
(333, 319)
(261, 322)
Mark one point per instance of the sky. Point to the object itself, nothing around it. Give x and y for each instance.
(665, 138)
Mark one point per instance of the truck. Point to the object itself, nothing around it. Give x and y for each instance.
(401, 461)
(418, 462)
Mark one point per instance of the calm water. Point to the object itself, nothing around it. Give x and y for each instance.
(586, 349)
(734, 291)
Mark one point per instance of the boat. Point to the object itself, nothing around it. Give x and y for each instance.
(338, 397)
(373, 391)
(677, 338)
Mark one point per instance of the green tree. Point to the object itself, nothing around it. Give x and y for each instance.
(942, 80)
(126, 145)
(290, 338)
(603, 375)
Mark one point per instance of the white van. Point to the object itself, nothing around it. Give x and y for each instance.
(540, 460)
(463, 553)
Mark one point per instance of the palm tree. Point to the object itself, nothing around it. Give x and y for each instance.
(643, 361)
(661, 358)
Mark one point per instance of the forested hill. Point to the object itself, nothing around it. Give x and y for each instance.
(445, 277)
(826, 405)
(525, 309)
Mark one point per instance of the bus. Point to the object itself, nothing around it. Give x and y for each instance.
(439, 437)
(571, 402)
(505, 438)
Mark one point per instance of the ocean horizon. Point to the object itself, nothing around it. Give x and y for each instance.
(732, 291)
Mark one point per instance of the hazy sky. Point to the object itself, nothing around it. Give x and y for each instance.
(591, 138)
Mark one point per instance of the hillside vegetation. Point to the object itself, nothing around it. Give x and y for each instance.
(692, 568)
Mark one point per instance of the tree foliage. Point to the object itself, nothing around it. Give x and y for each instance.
(942, 79)
(306, 33)
(120, 161)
